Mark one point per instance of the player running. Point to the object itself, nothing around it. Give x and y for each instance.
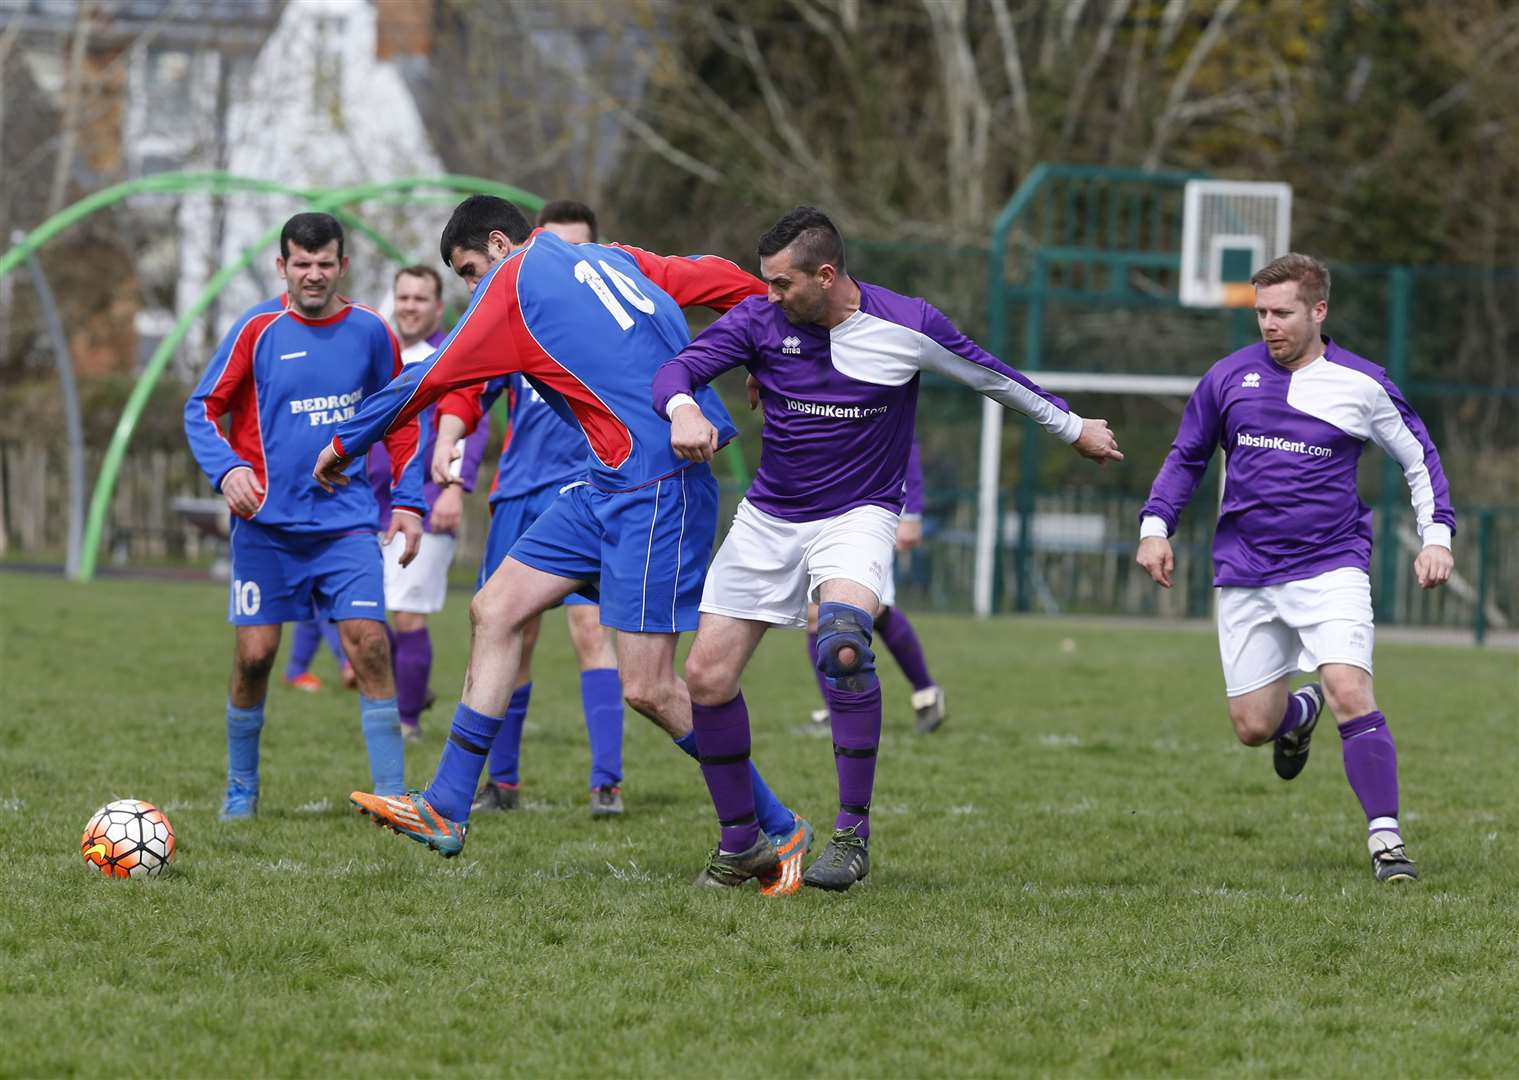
(288, 371)
(588, 325)
(838, 362)
(542, 454)
(1292, 549)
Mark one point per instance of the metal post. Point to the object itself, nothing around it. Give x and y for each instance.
(1484, 558)
(1399, 293)
(1028, 480)
(71, 418)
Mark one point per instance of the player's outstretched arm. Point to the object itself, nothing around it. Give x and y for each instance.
(1157, 559)
(1097, 442)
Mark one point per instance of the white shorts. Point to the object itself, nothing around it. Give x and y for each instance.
(768, 569)
(421, 587)
(1273, 630)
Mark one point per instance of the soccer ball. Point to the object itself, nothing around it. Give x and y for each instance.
(128, 838)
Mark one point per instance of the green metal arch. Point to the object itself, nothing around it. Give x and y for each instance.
(333, 200)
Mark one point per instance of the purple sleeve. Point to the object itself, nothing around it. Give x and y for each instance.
(913, 504)
(949, 352)
(720, 347)
(1188, 459)
(474, 452)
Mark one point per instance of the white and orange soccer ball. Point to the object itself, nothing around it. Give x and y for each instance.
(128, 838)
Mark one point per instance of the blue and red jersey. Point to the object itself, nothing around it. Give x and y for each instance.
(588, 325)
(284, 382)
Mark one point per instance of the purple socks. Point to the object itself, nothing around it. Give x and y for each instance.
(856, 735)
(902, 642)
(413, 666)
(722, 742)
(1371, 765)
(1298, 709)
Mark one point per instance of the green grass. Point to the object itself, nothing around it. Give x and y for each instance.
(1082, 874)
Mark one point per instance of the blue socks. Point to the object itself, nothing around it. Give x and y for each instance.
(506, 747)
(243, 727)
(469, 740)
(601, 698)
(773, 816)
(382, 735)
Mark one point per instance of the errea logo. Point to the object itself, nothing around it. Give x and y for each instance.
(791, 346)
(1252, 381)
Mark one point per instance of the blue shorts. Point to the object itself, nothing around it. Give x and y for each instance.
(510, 518)
(647, 548)
(280, 576)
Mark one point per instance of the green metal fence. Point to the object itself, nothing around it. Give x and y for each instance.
(1081, 275)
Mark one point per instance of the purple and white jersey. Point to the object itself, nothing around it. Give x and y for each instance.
(840, 403)
(1292, 441)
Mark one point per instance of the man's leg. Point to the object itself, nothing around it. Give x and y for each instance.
(253, 655)
(651, 688)
(413, 667)
(601, 702)
(845, 617)
(1371, 766)
(901, 640)
(367, 645)
(514, 594)
(720, 722)
(502, 787)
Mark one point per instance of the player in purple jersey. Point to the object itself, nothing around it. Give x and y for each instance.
(1292, 549)
(414, 592)
(542, 454)
(838, 362)
(588, 324)
(285, 375)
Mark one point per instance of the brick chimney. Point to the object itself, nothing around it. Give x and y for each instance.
(403, 28)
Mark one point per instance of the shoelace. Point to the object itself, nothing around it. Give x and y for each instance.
(837, 847)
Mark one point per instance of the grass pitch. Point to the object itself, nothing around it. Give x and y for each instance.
(1082, 873)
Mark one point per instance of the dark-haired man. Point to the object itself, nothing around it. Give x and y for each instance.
(838, 362)
(1292, 550)
(541, 454)
(290, 370)
(588, 325)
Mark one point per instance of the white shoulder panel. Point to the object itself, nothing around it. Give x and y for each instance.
(875, 350)
(1335, 394)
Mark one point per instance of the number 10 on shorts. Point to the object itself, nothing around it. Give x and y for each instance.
(246, 598)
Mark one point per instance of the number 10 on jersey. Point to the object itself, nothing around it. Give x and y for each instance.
(587, 274)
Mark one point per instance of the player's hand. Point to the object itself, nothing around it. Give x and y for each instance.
(329, 470)
(752, 392)
(691, 435)
(447, 458)
(243, 492)
(1433, 566)
(1155, 556)
(909, 533)
(1097, 442)
(408, 525)
(447, 510)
